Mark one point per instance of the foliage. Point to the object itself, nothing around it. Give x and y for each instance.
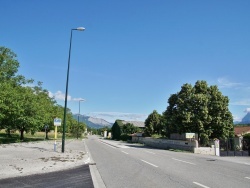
(24, 107)
(129, 128)
(241, 125)
(200, 109)
(77, 129)
(156, 136)
(154, 123)
(125, 137)
(116, 130)
(123, 131)
(246, 136)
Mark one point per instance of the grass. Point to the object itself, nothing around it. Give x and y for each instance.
(38, 136)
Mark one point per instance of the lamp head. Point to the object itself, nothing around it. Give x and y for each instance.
(80, 28)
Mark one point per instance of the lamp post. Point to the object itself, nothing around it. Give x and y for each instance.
(66, 94)
(81, 100)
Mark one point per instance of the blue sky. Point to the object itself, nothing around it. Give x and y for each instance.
(133, 54)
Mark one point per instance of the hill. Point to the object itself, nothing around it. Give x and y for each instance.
(92, 122)
(245, 120)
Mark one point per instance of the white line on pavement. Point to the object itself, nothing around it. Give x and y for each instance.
(149, 152)
(183, 161)
(247, 163)
(200, 185)
(149, 163)
(124, 152)
(247, 177)
(107, 144)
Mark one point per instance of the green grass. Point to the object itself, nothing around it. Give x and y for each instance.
(38, 136)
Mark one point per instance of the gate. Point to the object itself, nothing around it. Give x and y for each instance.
(235, 147)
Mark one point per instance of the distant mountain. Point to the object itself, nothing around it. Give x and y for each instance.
(245, 120)
(92, 122)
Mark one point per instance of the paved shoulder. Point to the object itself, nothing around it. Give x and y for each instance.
(76, 177)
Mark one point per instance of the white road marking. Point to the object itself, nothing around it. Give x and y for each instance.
(107, 144)
(149, 163)
(247, 163)
(200, 185)
(124, 152)
(149, 152)
(247, 177)
(183, 161)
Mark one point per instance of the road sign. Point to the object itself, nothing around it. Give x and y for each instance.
(57, 122)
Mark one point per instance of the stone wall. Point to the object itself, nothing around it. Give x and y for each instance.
(167, 144)
(191, 145)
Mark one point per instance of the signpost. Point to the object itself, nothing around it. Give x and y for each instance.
(57, 122)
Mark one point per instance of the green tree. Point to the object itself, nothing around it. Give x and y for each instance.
(116, 130)
(8, 64)
(129, 128)
(153, 123)
(200, 109)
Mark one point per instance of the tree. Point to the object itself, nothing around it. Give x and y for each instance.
(23, 107)
(8, 64)
(200, 109)
(153, 123)
(116, 130)
(129, 128)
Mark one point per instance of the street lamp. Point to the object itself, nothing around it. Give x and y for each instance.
(81, 100)
(66, 94)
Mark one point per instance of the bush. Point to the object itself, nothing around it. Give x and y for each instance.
(125, 137)
(247, 136)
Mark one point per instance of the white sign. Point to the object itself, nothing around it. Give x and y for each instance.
(190, 135)
(57, 122)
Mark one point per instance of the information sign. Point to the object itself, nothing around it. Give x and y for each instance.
(57, 122)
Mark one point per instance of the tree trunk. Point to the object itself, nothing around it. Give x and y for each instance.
(47, 135)
(21, 136)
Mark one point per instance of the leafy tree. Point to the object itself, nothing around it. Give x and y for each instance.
(22, 107)
(116, 130)
(8, 64)
(129, 128)
(153, 123)
(200, 109)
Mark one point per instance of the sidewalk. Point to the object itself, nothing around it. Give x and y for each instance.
(21, 159)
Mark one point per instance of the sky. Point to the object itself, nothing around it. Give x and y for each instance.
(132, 54)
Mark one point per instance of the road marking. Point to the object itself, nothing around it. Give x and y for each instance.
(183, 161)
(149, 163)
(107, 144)
(247, 177)
(200, 185)
(124, 152)
(149, 152)
(247, 163)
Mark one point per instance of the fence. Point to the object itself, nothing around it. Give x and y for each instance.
(235, 147)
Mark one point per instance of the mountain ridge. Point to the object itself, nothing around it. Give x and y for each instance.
(245, 119)
(93, 122)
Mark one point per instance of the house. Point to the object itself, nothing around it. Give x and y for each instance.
(240, 131)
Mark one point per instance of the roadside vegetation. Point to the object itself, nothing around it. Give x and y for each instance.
(25, 106)
(200, 109)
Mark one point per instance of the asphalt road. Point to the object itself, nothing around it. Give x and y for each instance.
(130, 165)
(73, 178)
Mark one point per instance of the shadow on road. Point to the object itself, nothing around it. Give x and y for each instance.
(76, 177)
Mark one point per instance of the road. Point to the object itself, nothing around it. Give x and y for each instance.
(75, 177)
(132, 165)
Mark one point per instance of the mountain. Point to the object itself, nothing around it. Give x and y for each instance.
(246, 119)
(92, 122)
